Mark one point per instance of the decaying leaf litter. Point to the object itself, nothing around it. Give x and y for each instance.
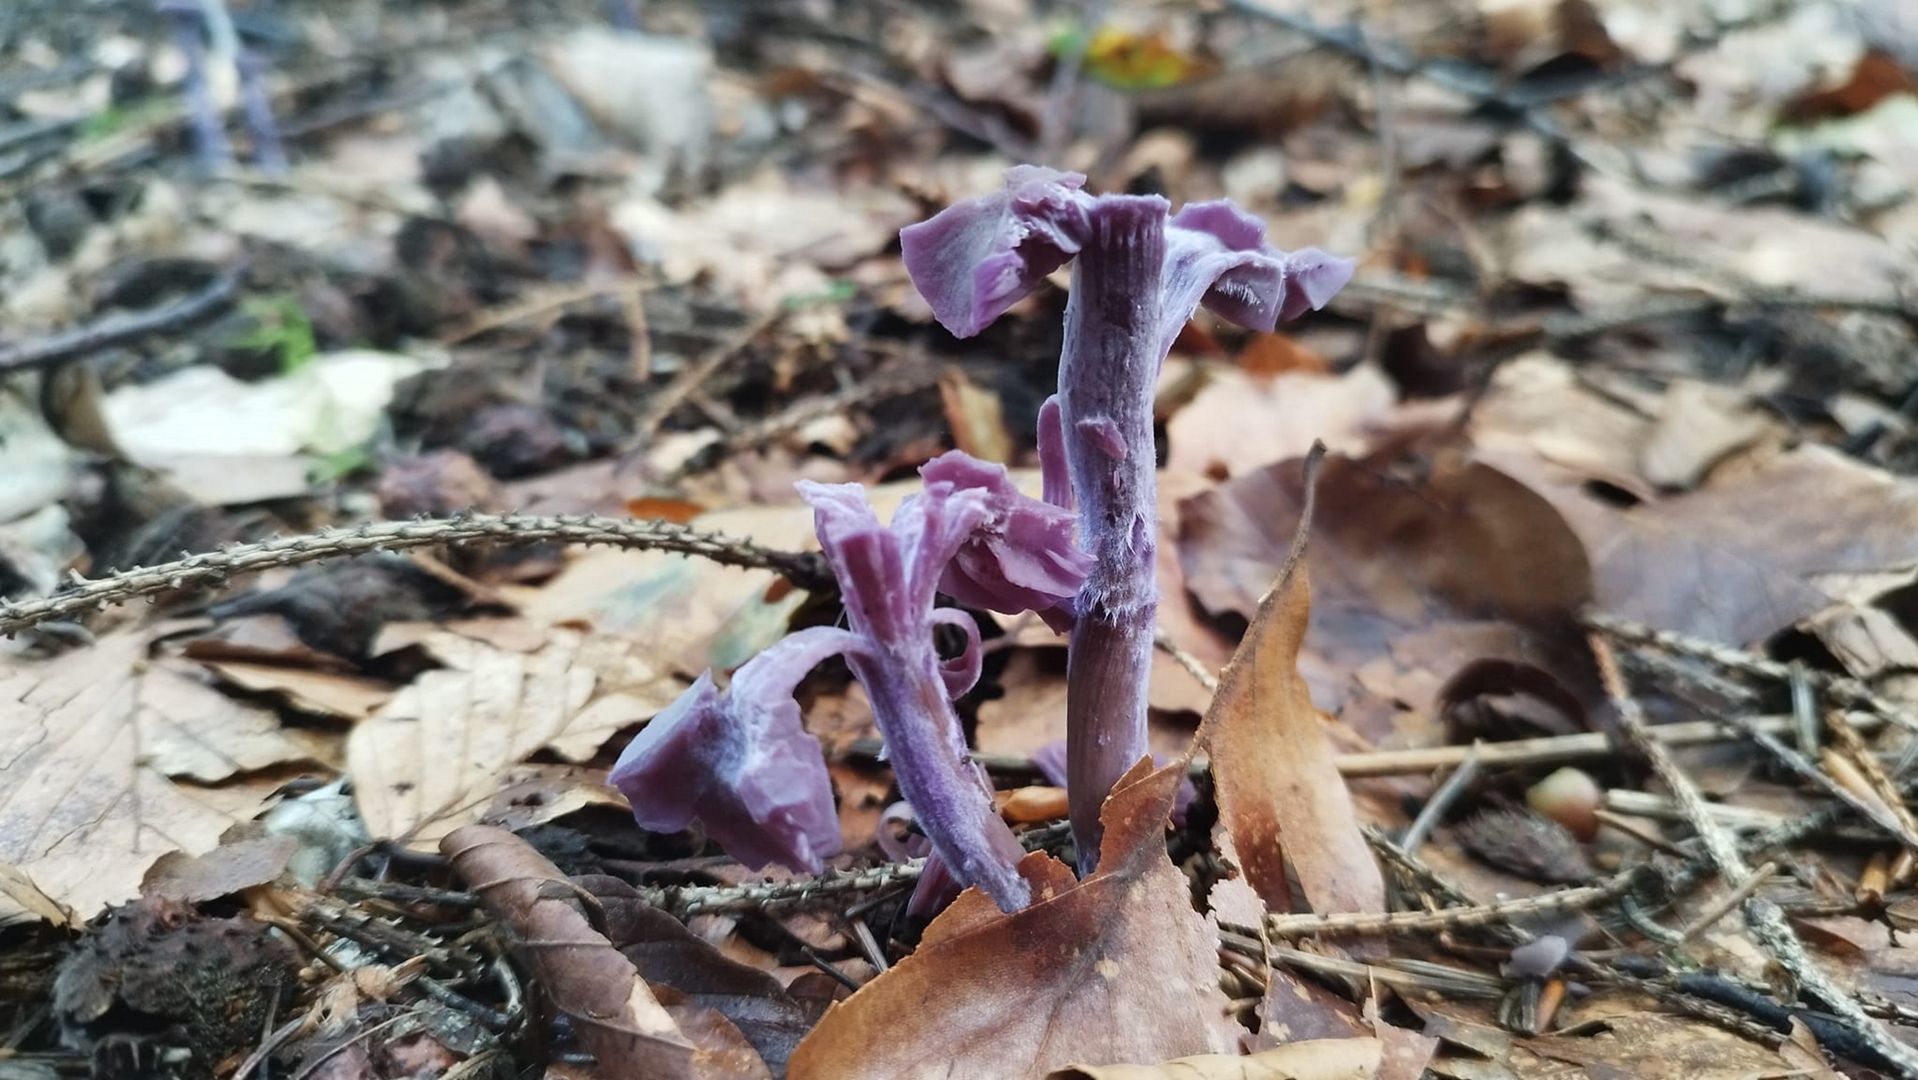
(449, 381)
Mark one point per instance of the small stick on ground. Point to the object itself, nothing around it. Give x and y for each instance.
(1767, 922)
(1843, 688)
(1452, 918)
(121, 329)
(694, 376)
(1873, 811)
(1440, 802)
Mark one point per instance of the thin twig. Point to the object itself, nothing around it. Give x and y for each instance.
(213, 567)
(1767, 922)
(1873, 811)
(890, 383)
(1440, 802)
(1723, 906)
(828, 888)
(122, 328)
(1548, 750)
(694, 376)
(1192, 664)
(1840, 687)
(1560, 902)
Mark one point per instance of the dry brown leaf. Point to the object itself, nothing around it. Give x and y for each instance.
(21, 899)
(1032, 711)
(90, 746)
(534, 793)
(1421, 565)
(1544, 405)
(690, 613)
(974, 414)
(1118, 967)
(1277, 782)
(1698, 425)
(225, 870)
(614, 1014)
(443, 746)
(1713, 245)
(1320, 1059)
(1735, 561)
(668, 954)
(1279, 354)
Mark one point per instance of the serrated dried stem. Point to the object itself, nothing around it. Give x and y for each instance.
(1766, 919)
(827, 889)
(805, 570)
(824, 889)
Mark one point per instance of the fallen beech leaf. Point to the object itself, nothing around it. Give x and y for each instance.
(534, 793)
(668, 954)
(1422, 563)
(1278, 785)
(1115, 967)
(975, 416)
(690, 613)
(1320, 1059)
(324, 693)
(1289, 412)
(1549, 408)
(1648, 1044)
(225, 870)
(441, 748)
(1734, 561)
(1406, 1053)
(1771, 246)
(1278, 354)
(1032, 805)
(614, 1014)
(90, 746)
(1699, 425)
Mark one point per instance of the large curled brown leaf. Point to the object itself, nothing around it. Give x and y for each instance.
(666, 953)
(1422, 562)
(1277, 779)
(615, 1014)
(1116, 968)
(1736, 560)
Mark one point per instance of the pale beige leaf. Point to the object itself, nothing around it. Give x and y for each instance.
(22, 900)
(436, 753)
(442, 749)
(1239, 421)
(88, 744)
(323, 693)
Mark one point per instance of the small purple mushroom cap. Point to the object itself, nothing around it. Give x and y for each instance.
(741, 762)
(979, 256)
(1022, 557)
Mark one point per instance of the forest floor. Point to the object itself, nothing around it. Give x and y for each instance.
(400, 404)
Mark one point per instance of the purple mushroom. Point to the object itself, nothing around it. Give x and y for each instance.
(1140, 273)
(742, 762)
